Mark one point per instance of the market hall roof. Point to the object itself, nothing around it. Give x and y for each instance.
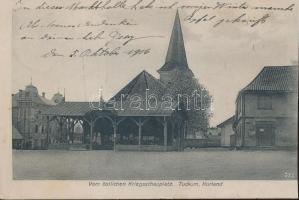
(140, 85)
(275, 78)
(70, 108)
(144, 85)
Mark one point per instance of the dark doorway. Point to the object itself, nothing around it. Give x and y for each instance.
(265, 134)
(102, 134)
(128, 132)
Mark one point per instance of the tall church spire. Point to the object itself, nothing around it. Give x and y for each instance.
(176, 54)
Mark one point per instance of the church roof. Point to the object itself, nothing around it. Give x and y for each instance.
(275, 78)
(176, 54)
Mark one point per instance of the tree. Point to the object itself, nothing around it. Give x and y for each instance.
(194, 99)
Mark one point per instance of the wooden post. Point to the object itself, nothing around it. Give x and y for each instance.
(114, 136)
(61, 131)
(184, 134)
(165, 132)
(172, 132)
(90, 137)
(73, 130)
(67, 130)
(47, 127)
(179, 136)
(139, 133)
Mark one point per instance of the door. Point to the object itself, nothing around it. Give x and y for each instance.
(265, 134)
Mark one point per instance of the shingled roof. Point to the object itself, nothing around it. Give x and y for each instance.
(176, 55)
(274, 78)
(138, 86)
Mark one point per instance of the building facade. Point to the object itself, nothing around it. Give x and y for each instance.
(227, 132)
(27, 118)
(267, 109)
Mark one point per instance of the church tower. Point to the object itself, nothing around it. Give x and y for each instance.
(176, 60)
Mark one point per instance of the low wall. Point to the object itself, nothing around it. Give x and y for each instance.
(201, 143)
(69, 146)
(120, 147)
(59, 146)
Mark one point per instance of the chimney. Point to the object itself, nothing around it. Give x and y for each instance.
(44, 94)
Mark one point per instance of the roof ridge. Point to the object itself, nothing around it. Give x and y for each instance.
(130, 83)
(144, 74)
(253, 79)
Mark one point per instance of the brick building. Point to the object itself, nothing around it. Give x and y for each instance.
(27, 106)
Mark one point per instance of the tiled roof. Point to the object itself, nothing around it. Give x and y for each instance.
(275, 78)
(68, 109)
(16, 134)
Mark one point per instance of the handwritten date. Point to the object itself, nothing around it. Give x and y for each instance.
(100, 52)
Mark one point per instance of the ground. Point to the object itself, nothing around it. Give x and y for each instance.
(217, 164)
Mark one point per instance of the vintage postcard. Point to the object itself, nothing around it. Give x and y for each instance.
(149, 99)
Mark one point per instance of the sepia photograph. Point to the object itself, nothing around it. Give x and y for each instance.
(154, 93)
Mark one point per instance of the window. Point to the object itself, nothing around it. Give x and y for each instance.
(239, 103)
(264, 102)
(36, 128)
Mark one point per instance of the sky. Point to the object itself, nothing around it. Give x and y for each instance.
(224, 59)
